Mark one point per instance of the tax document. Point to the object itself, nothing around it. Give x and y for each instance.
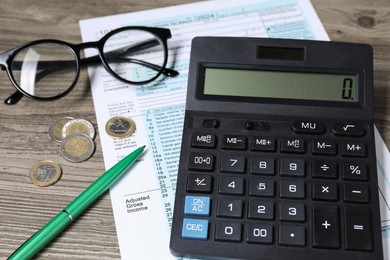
(143, 200)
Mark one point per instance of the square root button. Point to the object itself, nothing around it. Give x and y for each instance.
(195, 229)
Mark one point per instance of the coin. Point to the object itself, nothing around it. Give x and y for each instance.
(55, 129)
(120, 127)
(77, 147)
(45, 173)
(78, 126)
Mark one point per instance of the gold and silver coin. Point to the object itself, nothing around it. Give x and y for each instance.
(78, 126)
(120, 127)
(77, 147)
(55, 129)
(45, 173)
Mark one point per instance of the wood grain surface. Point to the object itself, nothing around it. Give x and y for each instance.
(24, 138)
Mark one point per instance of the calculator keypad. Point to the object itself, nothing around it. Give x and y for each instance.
(308, 188)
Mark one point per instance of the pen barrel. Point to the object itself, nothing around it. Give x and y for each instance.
(40, 239)
(102, 184)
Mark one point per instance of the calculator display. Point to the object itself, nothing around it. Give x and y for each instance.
(281, 84)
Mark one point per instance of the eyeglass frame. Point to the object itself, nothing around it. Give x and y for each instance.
(7, 58)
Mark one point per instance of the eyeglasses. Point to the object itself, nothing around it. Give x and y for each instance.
(49, 69)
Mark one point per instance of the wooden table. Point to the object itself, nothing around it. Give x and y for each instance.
(24, 138)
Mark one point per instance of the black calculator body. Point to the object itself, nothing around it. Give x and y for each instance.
(278, 155)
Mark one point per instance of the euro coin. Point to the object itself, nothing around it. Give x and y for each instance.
(78, 126)
(120, 127)
(55, 129)
(77, 147)
(45, 173)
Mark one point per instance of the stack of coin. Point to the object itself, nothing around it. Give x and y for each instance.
(75, 137)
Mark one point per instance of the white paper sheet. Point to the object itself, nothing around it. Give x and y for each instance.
(143, 200)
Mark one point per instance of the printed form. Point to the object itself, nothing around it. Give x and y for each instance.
(143, 200)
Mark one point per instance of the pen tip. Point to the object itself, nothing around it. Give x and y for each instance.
(144, 146)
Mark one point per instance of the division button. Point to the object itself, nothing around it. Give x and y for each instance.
(324, 169)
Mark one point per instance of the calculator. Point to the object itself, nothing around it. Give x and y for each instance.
(278, 155)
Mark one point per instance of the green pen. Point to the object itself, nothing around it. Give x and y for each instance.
(40, 239)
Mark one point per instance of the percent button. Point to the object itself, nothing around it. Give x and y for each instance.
(355, 171)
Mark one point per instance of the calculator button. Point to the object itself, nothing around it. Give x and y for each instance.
(348, 129)
(201, 162)
(261, 187)
(292, 235)
(292, 211)
(199, 183)
(228, 231)
(229, 208)
(354, 192)
(195, 229)
(234, 142)
(202, 140)
(353, 149)
(307, 127)
(326, 227)
(358, 229)
(231, 185)
(324, 169)
(261, 209)
(292, 167)
(262, 165)
(232, 163)
(322, 190)
(292, 189)
(259, 233)
(263, 144)
(292, 145)
(355, 171)
(321, 147)
(197, 205)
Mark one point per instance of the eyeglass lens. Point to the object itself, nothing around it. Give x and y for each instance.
(135, 55)
(45, 70)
